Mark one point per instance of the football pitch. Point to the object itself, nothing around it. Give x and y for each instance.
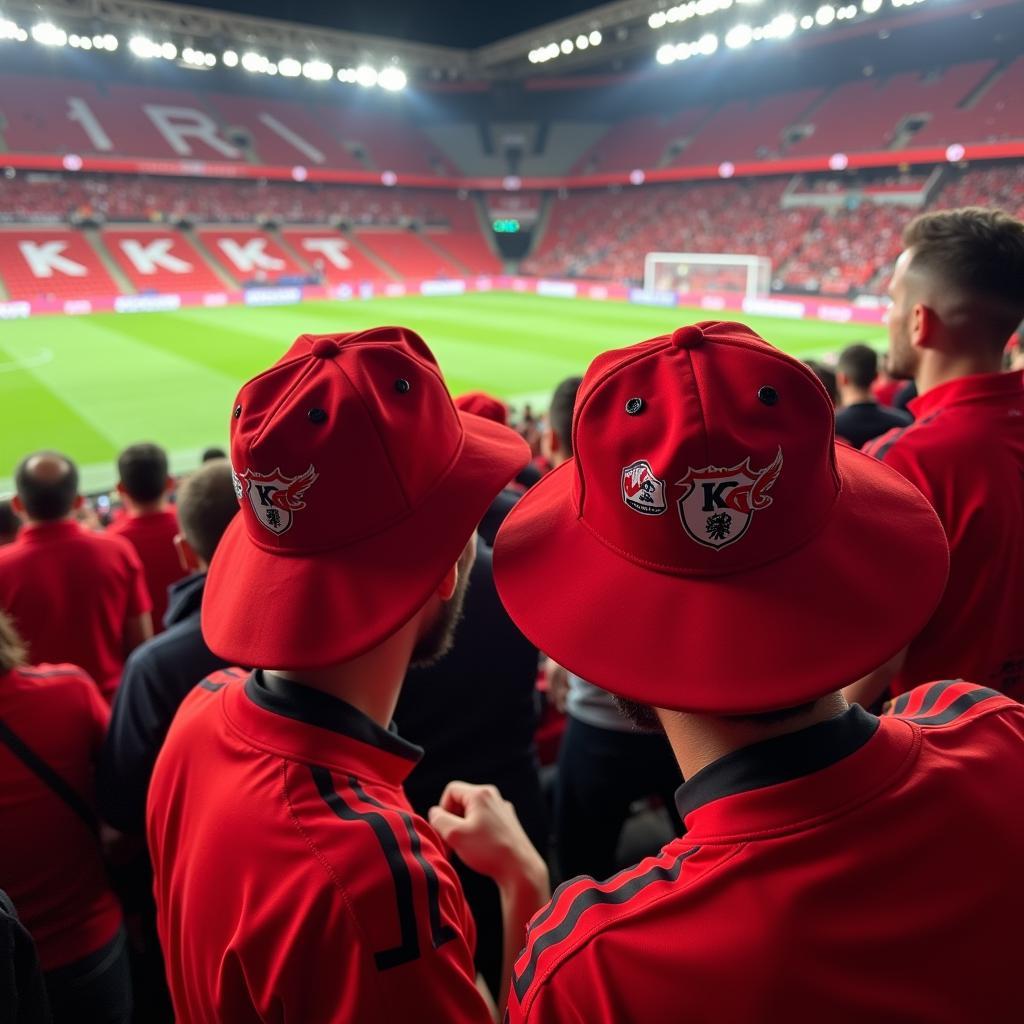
(90, 385)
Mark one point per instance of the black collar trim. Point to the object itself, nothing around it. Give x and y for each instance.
(778, 760)
(313, 707)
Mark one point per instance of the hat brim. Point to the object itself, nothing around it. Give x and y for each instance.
(266, 609)
(777, 636)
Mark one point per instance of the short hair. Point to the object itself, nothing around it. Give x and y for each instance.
(143, 471)
(563, 402)
(12, 649)
(209, 454)
(860, 364)
(206, 504)
(768, 718)
(46, 497)
(10, 524)
(977, 252)
(826, 375)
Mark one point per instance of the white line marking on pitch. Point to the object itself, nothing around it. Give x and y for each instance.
(41, 358)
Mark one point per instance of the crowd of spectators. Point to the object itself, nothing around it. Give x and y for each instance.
(323, 769)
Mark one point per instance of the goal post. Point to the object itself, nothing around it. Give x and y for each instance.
(707, 272)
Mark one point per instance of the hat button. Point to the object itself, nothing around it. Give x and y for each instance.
(687, 337)
(325, 348)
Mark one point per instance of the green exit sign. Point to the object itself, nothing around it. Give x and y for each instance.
(505, 226)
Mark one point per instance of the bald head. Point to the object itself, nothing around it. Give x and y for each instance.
(206, 504)
(47, 486)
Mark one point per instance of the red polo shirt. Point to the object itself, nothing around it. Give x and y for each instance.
(293, 882)
(152, 535)
(966, 453)
(70, 592)
(49, 857)
(863, 869)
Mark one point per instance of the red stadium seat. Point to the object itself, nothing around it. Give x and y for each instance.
(161, 260)
(333, 256)
(251, 256)
(408, 253)
(51, 263)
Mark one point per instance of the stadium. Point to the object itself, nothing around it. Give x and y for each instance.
(516, 195)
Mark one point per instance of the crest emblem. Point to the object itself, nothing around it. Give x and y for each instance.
(718, 504)
(275, 498)
(642, 491)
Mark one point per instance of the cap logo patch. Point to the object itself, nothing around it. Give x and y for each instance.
(642, 491)
(275, 497)
(718, 504)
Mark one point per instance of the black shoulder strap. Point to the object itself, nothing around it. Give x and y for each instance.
(47, 775)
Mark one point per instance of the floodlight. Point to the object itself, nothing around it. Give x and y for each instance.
(47, 34)
(739, 36)
(392, 78)
(707, 44)
(595, 38)
(366, 76)
(657, 19)
(825, 14)
(230, 59)
(289, 67)
(582, 42)
(168, 51)
(253, 61)
(316, 70)
(666, 54)
(871, 6)
(566, 46)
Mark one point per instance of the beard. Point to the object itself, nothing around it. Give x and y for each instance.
(437, 641)
(643, 716)
(902, 358)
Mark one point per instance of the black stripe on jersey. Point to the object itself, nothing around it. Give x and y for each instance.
(235, 673)
(208, 684)
(440, 933)
(409, 948)
(963, 703)
(931, 697)
(899, 705)
(592, 898)
(884, 450)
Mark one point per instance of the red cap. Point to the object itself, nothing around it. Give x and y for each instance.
(359, 485)
(481, 404)
(709, 548)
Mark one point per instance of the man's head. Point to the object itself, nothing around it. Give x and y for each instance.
(856, 371)
(10, 524)
(206, 504)
(691, 556)
(209, 454)
(12, 650)
(956, 289)
(144, 478)
(47, 487)
(556, 444)
(354, 520)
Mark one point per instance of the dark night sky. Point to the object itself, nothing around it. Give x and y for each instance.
(445, 22)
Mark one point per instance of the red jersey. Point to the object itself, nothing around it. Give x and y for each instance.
(49, 857)
(70, 592)
(293, 882)
(152, 535)
(885, 390)
(966, 454)
(863, 869)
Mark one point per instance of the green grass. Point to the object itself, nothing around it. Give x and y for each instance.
(90, 385)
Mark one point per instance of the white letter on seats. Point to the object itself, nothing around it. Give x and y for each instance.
(43, 258)
(176, 124)
(332, 248)
(150, 256)
(249, 256)
(81, 113)
(307, 149)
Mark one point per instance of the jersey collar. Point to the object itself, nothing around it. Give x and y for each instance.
(308, 725)
(40, 533)
(978, 387)
(785, 782)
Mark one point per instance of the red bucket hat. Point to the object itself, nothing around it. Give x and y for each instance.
(359, 485)
(482, 404)
(710, 548)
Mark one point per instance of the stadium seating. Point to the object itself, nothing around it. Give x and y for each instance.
(51, 263)
(409, 254)
(640, 141)
(251, 256)
(160, 260)
(333, 256)
(467, 249)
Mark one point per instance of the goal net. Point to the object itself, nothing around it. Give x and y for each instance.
(750, 276)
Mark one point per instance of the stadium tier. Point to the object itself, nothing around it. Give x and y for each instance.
(160, 260)
(50, 262)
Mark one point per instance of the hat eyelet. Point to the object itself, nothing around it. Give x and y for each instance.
(402, 386)
(634, 406)
(317, 415)
(767, 395)
(238, 412)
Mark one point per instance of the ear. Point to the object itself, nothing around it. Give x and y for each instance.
(79, 502)
(841, 380)
(187, 558)
(172, 482)
(449, 583)
(924, 326)
(19, 506)
(120, 489)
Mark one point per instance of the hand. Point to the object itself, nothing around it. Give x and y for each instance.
(483, 829)
(558, 685)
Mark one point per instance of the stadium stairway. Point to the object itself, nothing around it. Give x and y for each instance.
(357, 243)
(292, 252)
(228, 280)
(120, 278)
(436, 242)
